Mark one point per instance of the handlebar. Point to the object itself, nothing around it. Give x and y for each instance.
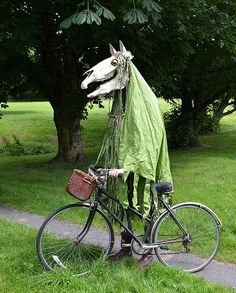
(99, 171)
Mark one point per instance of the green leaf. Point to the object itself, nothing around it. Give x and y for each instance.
(151, 5)
(127, 15)
(99, 11)
(103, 11)
(93, 17)
(135, 16)
(141, 16)
(80, 17)
(83, 16)
(89, 19)
(108, 14)
(66, 23)
(130, 17)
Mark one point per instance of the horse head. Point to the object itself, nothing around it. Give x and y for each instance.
(112, 73)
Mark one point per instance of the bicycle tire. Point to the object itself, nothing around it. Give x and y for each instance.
(191, 252)
(58, 245)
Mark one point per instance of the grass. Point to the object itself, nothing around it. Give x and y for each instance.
(203, 174)
(30, 122)
(20, 271)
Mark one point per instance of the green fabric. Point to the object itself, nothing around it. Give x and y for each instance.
(143, 147)
(136, 143)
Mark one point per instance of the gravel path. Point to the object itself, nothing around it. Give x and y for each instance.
(218, 272)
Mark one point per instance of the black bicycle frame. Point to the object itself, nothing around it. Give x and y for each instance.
(88, 223)
(98, 201)
(168, 208)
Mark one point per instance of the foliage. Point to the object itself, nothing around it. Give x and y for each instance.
(87, 15)
(183, 48)
(178, 136)
(205, 74)
(184, 136)
(139, 13)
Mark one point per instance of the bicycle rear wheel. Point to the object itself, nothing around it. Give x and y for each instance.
(191, 251)
(64, 242)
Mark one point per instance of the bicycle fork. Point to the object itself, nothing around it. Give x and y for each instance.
(86, 228)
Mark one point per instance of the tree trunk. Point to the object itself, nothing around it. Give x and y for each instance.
(182, 126)
(219, 110)
(61, 84)
(69, 137)
(188, 125)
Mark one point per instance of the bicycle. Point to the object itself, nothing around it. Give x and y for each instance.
(76, 236)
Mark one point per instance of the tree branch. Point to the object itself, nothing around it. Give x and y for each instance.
(212, 99)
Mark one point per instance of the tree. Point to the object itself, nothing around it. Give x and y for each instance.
(223, 107)
(169, 41)
(38, 58)
(205, 81)
(41, 63)
(191, 56)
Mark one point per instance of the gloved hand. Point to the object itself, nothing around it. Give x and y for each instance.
(116, 172)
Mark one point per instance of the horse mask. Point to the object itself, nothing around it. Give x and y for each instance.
(112, 73)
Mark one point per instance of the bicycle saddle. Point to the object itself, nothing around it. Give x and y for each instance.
(163, 187)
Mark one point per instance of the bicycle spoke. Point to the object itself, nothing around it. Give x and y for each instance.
(64, 249)
(192, 251)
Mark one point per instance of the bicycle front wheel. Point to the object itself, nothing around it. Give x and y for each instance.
(193, 250)
(68, 240)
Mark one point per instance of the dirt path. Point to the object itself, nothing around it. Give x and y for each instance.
(221, 273)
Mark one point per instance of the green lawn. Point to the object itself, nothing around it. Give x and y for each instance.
(205, 174)
(30, 122)
(20, 271)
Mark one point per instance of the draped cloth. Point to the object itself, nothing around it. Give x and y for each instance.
(136, 141)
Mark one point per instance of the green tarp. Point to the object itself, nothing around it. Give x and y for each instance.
(143, 148)
(136, 141)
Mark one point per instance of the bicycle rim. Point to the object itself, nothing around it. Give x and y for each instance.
(191, 252)
(60, 244)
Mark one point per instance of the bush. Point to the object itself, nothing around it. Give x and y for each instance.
(16, 148)
(208, 123)
(183, 129)
(179, 133)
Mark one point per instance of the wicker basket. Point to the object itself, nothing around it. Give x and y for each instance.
(81, 185)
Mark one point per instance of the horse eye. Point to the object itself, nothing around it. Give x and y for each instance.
(114, 62)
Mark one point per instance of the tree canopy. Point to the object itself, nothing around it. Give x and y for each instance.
(185, 49)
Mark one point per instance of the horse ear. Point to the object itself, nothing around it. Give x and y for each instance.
(112, 49)
(122, 48)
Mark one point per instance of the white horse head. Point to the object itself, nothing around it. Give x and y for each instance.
(113, 72)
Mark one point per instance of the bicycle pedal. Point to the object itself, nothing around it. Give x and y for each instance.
(164, 247)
